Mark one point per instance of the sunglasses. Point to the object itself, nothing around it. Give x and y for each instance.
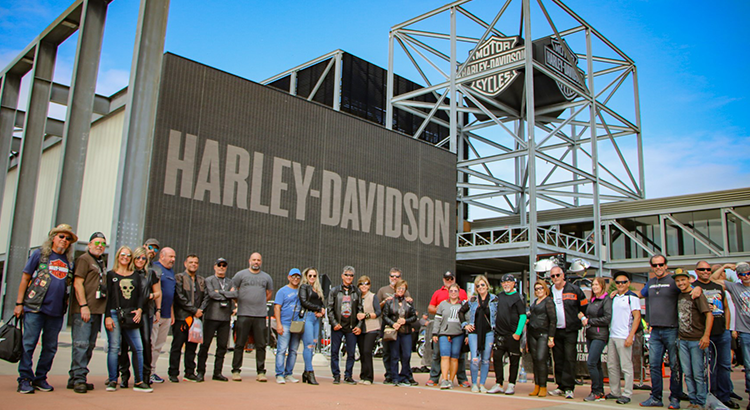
(221, 265)
(99, 243)
(125, 254)
(482, 285)
(450, 279)
(348, 275)
(453, 291)
(141, 258)
(743, 274)
(621, 282)
(364, 284)
(395, 276)
(153, 248)
(312, 276)
(658, 265)
(66, 237)
(538, 289)
(556, 275)
(703, 269)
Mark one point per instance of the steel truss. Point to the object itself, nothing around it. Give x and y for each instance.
(513, 161)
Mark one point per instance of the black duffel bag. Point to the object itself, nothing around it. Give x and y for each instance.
(11, 344)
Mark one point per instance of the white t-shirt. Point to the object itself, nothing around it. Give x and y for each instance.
(557, 297)
(622, 316)
(732, 316)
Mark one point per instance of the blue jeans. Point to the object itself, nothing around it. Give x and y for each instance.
(721, 365)
(594, 363)
(483, 356)
(114, 339)
(286, 343)
(693, 361)
(664, 338)
(35, 324)
(310, 339)
(351, 346)
(745, 346)
(84, 336)
(401, 352)
(451, 347)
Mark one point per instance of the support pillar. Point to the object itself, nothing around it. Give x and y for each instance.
(531, 142)
(28, 168)
(80, 109)
(138, 129)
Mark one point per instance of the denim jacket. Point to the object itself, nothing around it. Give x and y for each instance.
(474, 304)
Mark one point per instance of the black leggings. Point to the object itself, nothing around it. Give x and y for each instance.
(511, 346)
(540, 355)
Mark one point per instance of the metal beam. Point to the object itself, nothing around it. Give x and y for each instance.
(9, 89)
(28, 173)
(138, 129)
(80, 109)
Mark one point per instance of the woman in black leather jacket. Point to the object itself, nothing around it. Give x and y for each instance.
(598, 316)
(312, 300)
(400, 314)
(541, 332)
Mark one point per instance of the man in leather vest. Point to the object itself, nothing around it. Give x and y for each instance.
(188, 297)
(344, 302)
(217, 312)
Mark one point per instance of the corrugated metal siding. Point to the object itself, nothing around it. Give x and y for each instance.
(8, 200)
(100, 177)
(49, 172)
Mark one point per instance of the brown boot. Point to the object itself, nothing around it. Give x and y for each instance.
(543, 391)
(535, 392)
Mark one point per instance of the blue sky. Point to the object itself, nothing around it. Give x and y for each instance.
(692, 61)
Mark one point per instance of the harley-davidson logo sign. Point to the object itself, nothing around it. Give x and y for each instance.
(493, 53)
(559, 57)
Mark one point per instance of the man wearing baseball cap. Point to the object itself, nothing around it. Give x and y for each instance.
(152, 245)
(217, 309)
(286, 308)
(508, 329)
(43, 300)
(440, 295)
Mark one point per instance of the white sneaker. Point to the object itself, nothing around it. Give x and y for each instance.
(291, 379)
(511, 389)
(497, 388)
(556, 392)
(474, 388)
(236, 376)
(568, 394)
(445, 384)
(280, 380)
(482, 389)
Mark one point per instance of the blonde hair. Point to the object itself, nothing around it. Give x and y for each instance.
(117, 265)
(140, 251)
(481, 278)
(316, 286)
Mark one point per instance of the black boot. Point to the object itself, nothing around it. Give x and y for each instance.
(311, 378)
(304, 377)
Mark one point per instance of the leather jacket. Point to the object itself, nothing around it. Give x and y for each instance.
(599, 313)
(390, 315)
(309, 299)
(187, 300)
(217, 302)
(335, 299)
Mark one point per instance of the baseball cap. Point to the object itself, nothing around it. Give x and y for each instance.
(221, 260)
(294, 271)
(742, 267)
(97, 235)
(623, 273)
(508, 278)
(449, 275)
(679, 272)
(152, 241)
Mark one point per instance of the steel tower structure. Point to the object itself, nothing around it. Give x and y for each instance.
(517, 155)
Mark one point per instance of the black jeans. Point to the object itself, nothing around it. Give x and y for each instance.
(594, 363)
(539, 355)
(221, 329)
(511, 346)
(565, 356)
(351, 345)
(179, 339)
(366, 341)
(386, 359)
(246, 325)
(124, 361)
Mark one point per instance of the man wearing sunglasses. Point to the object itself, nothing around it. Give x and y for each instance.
(217, 309)
(43, 300)
(661, 295)
(87, 309)
(570, 305)
(740, 292)
(720, 356)
(152, 245)
(385, 294)
(626, 318)
(440, 295)
(344, 302)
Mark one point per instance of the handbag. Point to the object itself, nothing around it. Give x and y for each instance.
(11, 344)
(297, 326)
(126, 316)
(195, 333)
(389, 334)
